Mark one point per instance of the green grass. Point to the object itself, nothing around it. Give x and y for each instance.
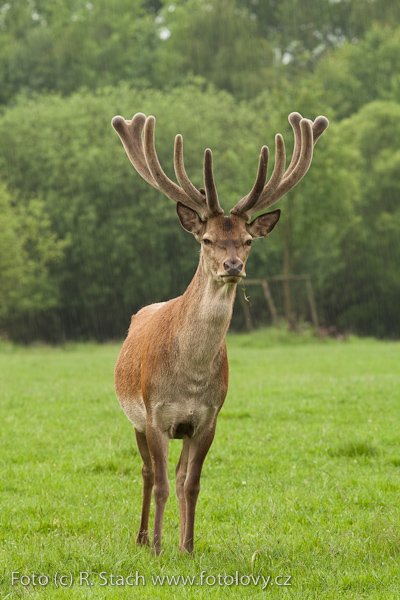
(302, 478)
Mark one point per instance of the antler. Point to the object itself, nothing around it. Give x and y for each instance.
(142, 154)
(306, 134)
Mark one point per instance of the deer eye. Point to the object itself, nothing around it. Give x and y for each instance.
(207, 242)
(248, 242)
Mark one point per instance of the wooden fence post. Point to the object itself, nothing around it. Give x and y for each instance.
(311, 301)
(270, 302)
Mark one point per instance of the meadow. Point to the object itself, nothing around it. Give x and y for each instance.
(300, 490)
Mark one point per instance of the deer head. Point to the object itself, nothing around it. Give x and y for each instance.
(225, 241)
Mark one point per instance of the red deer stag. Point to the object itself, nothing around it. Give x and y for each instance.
(171, 377)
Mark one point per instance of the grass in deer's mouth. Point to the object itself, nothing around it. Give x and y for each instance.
(302, 479)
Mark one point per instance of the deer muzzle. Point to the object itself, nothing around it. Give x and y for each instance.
(233, 269)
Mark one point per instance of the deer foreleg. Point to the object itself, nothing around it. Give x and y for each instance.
(180, 472)
(158, 447)
(148, 482)
(198, 448)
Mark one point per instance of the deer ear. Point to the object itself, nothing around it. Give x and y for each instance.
(264, 224)
(189, 219)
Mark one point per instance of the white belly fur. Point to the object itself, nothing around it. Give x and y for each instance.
(167, 415)
(136, 412)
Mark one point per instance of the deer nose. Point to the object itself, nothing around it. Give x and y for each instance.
(233, 269)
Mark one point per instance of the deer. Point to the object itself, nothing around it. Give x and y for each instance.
(171, 376)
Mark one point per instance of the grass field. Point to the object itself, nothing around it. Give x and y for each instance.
(301, 485)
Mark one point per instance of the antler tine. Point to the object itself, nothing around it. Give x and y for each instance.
(211, 191)
(168, 187)
(130, 133)
(320, 124)
(294, 119)
(182, 176)
(298, 170)
(279, 167)
(310, 132)
(249, 201)
(246, 207)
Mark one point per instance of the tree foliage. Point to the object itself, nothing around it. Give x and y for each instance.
(61, 46)
(217, 41)
(29, 250)
(359, 73)
(370, 250)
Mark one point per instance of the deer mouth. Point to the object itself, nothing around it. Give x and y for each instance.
(232, 278)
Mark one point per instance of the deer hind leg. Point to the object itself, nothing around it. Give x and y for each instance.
(158, 446)
(180, 472)
(199, 445)
(148, 482)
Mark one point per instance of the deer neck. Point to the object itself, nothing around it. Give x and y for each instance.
(206, 313)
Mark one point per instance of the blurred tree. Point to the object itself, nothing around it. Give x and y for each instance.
(364, 15)
(56, 45)
(216, 40)
(363, 286)
(303, 30)
(29, 250)
(360, 73)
